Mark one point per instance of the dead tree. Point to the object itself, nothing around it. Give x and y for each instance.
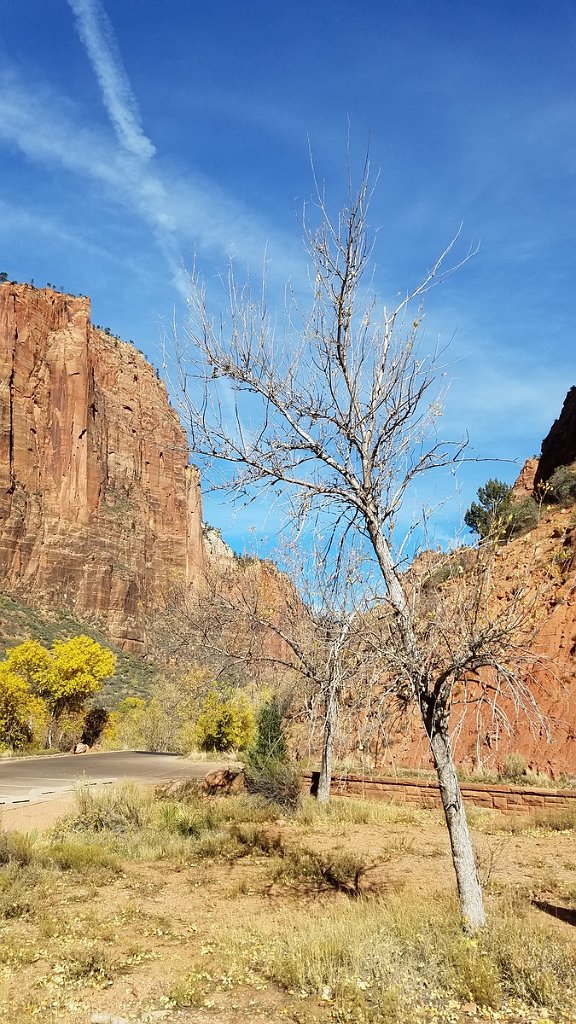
(340, 410)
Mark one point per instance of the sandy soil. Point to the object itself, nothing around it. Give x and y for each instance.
(33, 816)
(123, 943)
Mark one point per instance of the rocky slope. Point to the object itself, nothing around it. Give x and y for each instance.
(540, 567)
(100, 510)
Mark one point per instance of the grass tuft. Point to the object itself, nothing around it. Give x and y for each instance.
(85, 858)
(116, 808)
(377, 961)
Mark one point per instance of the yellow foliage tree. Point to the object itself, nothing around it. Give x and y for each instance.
(226, 721)
(63, 677)
(19, 709)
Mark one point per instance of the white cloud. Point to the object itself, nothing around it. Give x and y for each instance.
(96, 33)
(189, 212)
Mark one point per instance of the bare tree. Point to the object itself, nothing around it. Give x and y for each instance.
(314, 631)
(341, 411)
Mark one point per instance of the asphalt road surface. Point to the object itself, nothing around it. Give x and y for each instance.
(42, 778)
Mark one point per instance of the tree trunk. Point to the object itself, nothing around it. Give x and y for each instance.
(331, 718)
(469, 888)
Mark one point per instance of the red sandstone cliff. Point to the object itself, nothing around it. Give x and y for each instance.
(542, 563)
(100, 510)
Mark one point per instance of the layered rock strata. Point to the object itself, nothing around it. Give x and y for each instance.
(100, 510)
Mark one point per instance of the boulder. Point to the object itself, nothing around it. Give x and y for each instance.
(224, 781)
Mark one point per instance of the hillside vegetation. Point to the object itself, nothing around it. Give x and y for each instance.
(20, 621)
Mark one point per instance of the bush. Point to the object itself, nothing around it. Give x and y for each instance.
(514, 769)
(277, 782)
(497, 517)
(268, 772)
(523, 516)
(15, 848)
(117, 808)
(561, 487)
(70, 855)
(270, 743)
(226, 721)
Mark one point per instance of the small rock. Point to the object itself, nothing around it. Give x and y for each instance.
(81, 748)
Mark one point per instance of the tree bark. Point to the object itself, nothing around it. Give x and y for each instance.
(469, 888)
(325, 779)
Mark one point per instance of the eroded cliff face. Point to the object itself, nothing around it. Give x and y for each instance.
(538, 570)
(559, 445)
(100, 510)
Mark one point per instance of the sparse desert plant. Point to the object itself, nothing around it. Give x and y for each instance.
(514, 768)
(87, 964)
(359, 812)
(523, 516)
(354, 953)
(182, 820)
(561, 487)
(336, 870)
(561, 820)
(277, 782)
(16, 848)
(19, 891)
(117, 808)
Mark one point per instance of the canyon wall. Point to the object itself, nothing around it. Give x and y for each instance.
(100, 510)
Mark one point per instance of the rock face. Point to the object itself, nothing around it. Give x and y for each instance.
(559, 446)
(100, 510)
(538, 570)
(524, 485)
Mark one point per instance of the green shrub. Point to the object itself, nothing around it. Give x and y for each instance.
(182, 821)
(487, 516)
(268, 772)
(497, 517)
(270, 742)
(522, 517)
(561, 487)
(71, 855)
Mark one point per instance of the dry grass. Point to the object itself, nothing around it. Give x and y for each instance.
(194, 907)
(378, 961)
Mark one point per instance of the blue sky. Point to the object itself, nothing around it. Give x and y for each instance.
(137, 135)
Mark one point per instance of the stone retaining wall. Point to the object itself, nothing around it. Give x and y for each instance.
(425, 793)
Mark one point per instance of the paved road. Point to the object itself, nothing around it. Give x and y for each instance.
(41, 778)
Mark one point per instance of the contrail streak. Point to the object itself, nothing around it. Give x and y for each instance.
(97, 35)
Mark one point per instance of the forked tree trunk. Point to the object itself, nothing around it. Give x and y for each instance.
(469, 888)
(330, 723)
